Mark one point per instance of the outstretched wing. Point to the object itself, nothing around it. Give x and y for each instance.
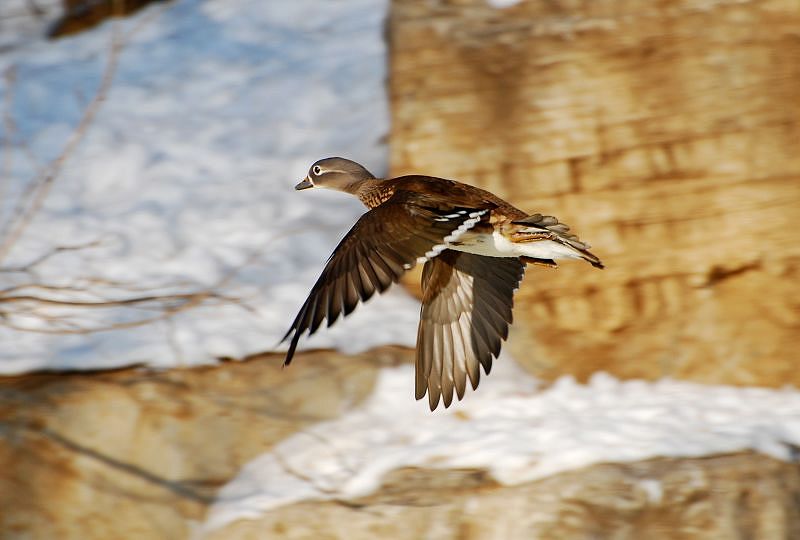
(466, 310)
(381, 246)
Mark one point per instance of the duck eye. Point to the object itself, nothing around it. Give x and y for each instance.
(316, 169)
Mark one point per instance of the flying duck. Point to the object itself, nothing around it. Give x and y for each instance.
(474, 246)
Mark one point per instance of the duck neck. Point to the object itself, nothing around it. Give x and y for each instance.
(372, 191)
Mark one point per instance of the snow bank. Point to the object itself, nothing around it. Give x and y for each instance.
(513, 431)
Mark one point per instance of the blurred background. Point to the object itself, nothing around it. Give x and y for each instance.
(153, 252)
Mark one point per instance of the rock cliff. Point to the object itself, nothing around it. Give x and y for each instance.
(665, 133)
(142, 454)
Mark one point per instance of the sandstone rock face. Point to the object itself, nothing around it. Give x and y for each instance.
(731, 497)
(140, 454)
(666, 134)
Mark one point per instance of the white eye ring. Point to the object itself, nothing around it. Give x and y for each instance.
(316, 170)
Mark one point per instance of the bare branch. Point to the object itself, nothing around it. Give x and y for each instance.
(26, 210)
(109, 303)
(9, 130)
(182, 303)
(29, 266)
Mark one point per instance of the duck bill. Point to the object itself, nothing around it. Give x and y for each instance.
(305, 184)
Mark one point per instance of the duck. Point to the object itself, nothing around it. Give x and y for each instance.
(474, 248)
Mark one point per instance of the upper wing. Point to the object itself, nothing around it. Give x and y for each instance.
(381, 246)
(466, 309)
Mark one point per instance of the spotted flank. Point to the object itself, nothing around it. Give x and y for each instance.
(537, 228)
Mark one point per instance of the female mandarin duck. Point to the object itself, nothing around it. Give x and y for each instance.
(474, 246)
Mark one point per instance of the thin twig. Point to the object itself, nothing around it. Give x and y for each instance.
(43, 184)
(191, 302)
(9, 131)
(27, 267)
(109, 303)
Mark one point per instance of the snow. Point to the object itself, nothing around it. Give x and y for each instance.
(653, 489)
(503, 4)
(516, 432)
(23, 20)
(185, 179)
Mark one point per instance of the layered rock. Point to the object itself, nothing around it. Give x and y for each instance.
(140, 454)
(665, 133)
(737, 496)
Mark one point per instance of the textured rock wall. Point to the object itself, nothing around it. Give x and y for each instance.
(140, 454)
(726, 497)
(666, 133)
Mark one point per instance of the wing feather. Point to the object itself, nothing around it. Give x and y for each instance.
(466, 309)
(381, 246)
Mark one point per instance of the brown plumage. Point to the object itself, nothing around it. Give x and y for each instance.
(474, 246)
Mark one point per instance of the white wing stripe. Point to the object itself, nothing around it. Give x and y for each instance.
(474, 217)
